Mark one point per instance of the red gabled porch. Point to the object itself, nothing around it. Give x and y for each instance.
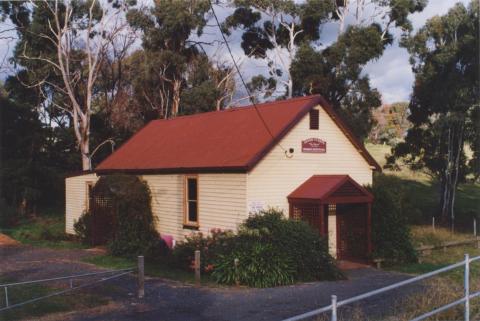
(340, 209)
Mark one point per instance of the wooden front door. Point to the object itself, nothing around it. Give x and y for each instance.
(352, 238)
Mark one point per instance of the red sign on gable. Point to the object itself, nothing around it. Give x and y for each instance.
(314, 145)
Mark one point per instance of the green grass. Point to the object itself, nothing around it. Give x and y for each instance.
(439, 259)
(379, 151)
(424, 193)
(418, 268)
(75, 300)
(152, 268)
(47, 230)
(425, 235)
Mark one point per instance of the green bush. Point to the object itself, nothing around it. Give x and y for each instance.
(301, 242)
(270, 251)
(132, 231)
(390, 233)
(259, 265)
(82, 228)
(216, 241)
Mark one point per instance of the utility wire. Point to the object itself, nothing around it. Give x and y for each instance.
(241, 77)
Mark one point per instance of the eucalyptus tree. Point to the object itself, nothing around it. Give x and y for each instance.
(62, 47)
(272, 32)
(337, 71)
(444, 107)
(173, 74)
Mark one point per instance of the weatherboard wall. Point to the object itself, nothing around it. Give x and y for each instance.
(276, 176)
(222, 201)
(76, 198)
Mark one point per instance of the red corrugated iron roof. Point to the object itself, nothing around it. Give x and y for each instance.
(229, 140)
(325, 188)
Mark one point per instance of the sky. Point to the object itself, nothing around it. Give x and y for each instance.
(391, 74)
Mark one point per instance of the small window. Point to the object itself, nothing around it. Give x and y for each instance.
(89, 196)
(191, 201)
(314, 119)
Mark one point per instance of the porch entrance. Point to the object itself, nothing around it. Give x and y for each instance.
(340, 209)
(352, 232)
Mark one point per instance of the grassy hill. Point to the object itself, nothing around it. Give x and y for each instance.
(424, 193)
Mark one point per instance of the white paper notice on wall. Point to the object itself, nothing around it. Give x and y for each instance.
(255, 206)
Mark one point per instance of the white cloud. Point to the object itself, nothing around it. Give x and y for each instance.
(392, 74)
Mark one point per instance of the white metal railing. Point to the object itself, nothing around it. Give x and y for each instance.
(71, 288)
(464, 300)
(113, 275)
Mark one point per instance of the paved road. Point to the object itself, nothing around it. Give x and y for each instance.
(168, 301)
(174, 301)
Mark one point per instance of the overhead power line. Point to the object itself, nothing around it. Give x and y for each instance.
(241, 77)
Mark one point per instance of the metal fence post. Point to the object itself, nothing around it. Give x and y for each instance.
(467, 287)
(433, 223)
(197, 267)
(6, 297)
(141, 277)
(334, 308)
(475, 227)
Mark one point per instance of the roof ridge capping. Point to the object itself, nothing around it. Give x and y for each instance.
(240, 108)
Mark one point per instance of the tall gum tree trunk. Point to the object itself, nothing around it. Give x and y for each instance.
(86, 166)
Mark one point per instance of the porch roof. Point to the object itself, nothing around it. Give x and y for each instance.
(333, 189)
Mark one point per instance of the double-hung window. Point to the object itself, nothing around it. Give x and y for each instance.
(191, 201)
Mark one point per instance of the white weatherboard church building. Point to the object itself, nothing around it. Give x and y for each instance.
(211, 170)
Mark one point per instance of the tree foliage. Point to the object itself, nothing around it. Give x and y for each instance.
(31, 161)
(286, 35)
(61, 49)
(390, 234)
(444, 107)
(276, 27)
(336, 73)
(175, 72)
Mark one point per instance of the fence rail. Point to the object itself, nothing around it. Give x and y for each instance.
(77, 276)
(465, 300)
(70, 278)
(427, 249)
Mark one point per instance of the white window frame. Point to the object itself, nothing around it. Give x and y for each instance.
(186, 222)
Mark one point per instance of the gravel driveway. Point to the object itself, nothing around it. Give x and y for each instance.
(168, 300)
(31, 263)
